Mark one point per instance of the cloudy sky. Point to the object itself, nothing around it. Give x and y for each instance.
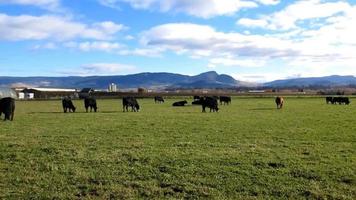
(251, 40)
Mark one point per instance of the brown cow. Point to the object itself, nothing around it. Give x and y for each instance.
(279, 102)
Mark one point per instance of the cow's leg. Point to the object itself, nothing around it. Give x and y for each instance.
(65, 110)
(12, 114)
(7, 116)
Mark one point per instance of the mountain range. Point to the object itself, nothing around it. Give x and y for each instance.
(207, 80)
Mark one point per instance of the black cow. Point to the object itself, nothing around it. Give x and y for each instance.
(196, 97)
(90, 101)
(225, 100)
(130, 102)
(7, 106)
(198, 101)
(68, 104)
(211, 103)
(329, 100)
(159, 99)
(341, 100)
(180, 103)
(279, 102)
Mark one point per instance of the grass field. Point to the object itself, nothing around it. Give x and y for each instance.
(249, 150)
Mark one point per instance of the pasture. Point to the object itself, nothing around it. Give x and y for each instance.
(249, 150)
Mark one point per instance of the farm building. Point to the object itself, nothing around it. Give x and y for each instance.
(7, 92)
(46, 93)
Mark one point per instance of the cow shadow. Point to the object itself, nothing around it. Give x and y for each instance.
(52, 112)
(263, 109)
(111, 111)
(57, 112)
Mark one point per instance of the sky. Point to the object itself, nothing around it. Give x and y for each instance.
(251, 40)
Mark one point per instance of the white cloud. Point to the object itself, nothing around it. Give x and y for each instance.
(94, 46)
(48, 45)
(329, 49)
(95, 69)
(129, 37)
(252, 22)
(237, 62)
(300, 11)
(198, 8)
(147, 52)
(204, 41)
(269, 2)
(26, 27)
(110, 3)
(46, 4)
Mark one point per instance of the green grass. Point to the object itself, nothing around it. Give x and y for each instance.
(249, 150)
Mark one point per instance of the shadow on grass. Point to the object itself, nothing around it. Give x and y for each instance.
(263, 109)
(57, 112)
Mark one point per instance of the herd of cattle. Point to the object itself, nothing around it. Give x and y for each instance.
(339, 100)
(7, 104)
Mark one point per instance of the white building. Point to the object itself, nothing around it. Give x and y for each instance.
(113, 87)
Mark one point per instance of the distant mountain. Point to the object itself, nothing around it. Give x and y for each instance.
(147, 80)
(163, 80)
(326, 81)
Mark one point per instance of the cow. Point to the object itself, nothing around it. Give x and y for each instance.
(159, 99)
(344, 100)
(7, 106)
(196, 97)
(198, 101)
(67, 104)
(341, 100)
(90, 102)
(225, 100)
(211, 103)
(279, 102)
(329, 100)
(180, 103)
(130, 102)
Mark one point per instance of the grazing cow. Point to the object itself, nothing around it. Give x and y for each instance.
(225, 100)
(130, 102)
(7, 106)
(67, 104)
(341, 100)
(159, 99)
(90, 101)
(211, 103)
(198, 101)
(279, 102)
(180, 103)
(196, 97)
(329, 100)
(344, 100)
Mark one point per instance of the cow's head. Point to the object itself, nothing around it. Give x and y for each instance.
(73, 109)
(137, 107)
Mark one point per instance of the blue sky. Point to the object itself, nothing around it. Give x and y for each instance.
(251, 40)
